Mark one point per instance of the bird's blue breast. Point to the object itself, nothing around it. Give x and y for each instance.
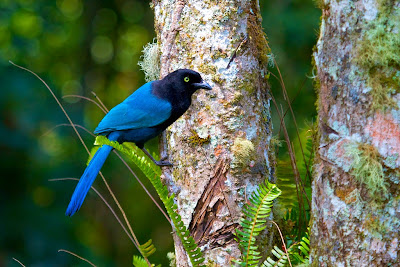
(142, 109)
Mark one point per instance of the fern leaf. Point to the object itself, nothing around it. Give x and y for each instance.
(281, 257)
(147, 248)
(139, 261)
(309, 156)
(254, 220)
(153, 173)
(304, 249)
(92, 152)
(301, 256)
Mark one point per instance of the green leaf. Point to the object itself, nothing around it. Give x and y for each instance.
(92, 152)
(139, 261)
(147, 248)
(254, 220)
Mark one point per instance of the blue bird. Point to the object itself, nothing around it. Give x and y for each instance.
(142, 116)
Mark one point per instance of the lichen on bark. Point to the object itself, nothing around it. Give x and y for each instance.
(353, 223)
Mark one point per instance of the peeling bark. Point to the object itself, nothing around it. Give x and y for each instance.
(356, 194)
(224, 41)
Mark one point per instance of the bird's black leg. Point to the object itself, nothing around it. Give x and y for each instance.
(157, 162)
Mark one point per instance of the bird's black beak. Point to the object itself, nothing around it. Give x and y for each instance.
(202, 85)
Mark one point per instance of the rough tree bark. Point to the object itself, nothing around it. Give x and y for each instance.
(356, 196)
(219, 148)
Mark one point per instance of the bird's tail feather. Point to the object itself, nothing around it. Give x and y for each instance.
(87, 179)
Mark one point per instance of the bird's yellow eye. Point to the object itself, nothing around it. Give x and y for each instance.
(186, 79)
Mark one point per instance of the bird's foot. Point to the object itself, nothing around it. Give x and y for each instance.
(164, 158)
(163, 162)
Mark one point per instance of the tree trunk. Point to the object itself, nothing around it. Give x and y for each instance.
(356, 196)
(219, 148)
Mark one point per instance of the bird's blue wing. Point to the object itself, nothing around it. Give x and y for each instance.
(142, 109)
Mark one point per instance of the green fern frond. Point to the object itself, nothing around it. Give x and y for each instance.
(309, 151)
(147, 248)
(302, 255)
(141, 262)
(153, 172)
(281, 258)
(298, 253)
(309, 154)
(285, 180)
(254, 221)
(92, 152)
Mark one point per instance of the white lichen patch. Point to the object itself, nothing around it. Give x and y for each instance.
(370, 9)
(243, 151)
(150, 63)
(251, 132)
(393, 249)
(250, 188)
(336, 154)
(340, 128)
(343, 8)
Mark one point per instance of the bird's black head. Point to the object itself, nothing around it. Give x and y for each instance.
(178, 88)
(186, 81)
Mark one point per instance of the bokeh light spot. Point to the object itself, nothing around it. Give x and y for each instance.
(102, 49)
(72, 9)
(26, 24)
(51, 144)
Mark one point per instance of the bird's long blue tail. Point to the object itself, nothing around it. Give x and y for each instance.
(88, 178)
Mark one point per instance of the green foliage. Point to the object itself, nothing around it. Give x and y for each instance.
(153, 173)
(285, 181)
(297, 256)
(254, 221)
(281, 258)
(309, 155)
(140, 262)
(295, 216)
(92, 152)
(366, 167)
(147, 248)
(302, 254)
(135, 154)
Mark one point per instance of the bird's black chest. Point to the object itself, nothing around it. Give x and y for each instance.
(179, 107)
(178, 96)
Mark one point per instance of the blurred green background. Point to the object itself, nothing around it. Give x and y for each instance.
(82, 46)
